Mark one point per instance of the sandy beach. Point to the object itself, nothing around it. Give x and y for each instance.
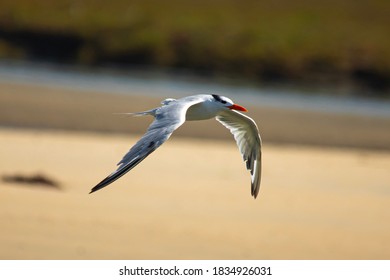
(191, 198)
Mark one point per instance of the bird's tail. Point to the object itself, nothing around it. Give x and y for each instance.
(138, 114)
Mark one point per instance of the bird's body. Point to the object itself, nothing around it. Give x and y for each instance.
(174, 113)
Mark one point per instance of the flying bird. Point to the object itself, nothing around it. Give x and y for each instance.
(174, 112)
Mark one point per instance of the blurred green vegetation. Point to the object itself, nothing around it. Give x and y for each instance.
(267, 40)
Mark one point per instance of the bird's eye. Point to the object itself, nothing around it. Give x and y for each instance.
(223, 102)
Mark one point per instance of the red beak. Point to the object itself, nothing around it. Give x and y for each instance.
(237, 108)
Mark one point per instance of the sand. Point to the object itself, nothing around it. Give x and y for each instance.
(190, 200)
(326, 198)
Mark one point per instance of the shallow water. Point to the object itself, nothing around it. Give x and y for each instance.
(163, 84)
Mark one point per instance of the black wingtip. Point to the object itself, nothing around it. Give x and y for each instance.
(93, 190)
(101, 185)
(255, 192)
(98, 187)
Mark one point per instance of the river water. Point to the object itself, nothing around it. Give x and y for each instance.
(163, 84)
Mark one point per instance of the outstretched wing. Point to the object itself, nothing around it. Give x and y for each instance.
(167, 119)
(248, 140)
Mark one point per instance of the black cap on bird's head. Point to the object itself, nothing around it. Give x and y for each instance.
(229, 103)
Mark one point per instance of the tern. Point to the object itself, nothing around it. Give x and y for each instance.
(174, 112)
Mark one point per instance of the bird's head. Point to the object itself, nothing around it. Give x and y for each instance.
(228, 103)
